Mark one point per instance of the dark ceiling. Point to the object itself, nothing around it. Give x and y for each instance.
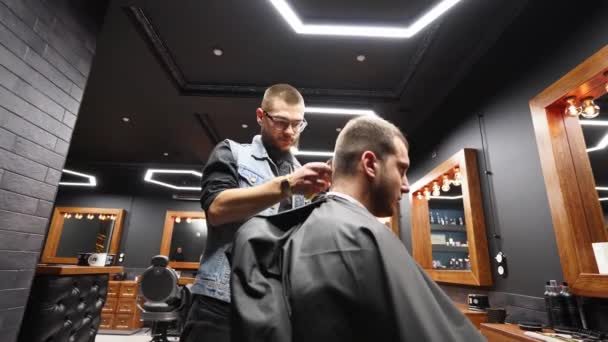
(154, 64)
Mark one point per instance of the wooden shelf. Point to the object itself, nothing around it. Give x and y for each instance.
(73, 269)
(448, 228)
(504, 333)
(452, 249)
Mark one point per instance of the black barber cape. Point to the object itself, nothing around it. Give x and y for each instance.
(330, 271)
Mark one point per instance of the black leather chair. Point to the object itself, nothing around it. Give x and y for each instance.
(64, 308)
(164, 300)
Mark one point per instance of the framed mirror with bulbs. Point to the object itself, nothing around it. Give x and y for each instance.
(75, 230)
(571, 128)
(184, 238)
(448, 225)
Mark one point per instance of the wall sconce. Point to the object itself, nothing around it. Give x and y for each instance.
(590, 109)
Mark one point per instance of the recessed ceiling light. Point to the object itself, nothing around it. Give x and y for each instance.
(339, 111)
(218, 52)
(338, 129)
(361, 58)
(126, 119)
(601, 188)
(299, 27)
(166, 154)
(91, 180)
(151, 172)
(244, 125)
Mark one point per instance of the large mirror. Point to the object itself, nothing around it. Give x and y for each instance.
(184, 238)
(76, 230)
(448, 225)
(572, 135)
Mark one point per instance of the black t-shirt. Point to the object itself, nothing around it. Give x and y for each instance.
(221, 173)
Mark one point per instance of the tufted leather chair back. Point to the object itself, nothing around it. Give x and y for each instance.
(64, 308)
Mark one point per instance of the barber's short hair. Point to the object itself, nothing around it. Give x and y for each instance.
(364, 134)
(282, 91)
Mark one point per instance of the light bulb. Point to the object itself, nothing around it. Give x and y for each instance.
(457, 177)
(572, 109)
(427, 194)
(78, 216)
(65, 215)
(419, 196)
(113, 217)
(178, 220)
(189, 220)
(590, 109)
(90, 216)
(436, 189)
(446, 184)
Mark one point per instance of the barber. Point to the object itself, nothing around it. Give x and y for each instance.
(242, 180)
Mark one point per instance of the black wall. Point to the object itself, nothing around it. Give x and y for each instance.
(500, 88)
(46, 50)
(143, 225)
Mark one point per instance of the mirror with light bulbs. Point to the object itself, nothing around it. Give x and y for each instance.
(184, 238)
(75, 230)
(448, 225)
(571, 131)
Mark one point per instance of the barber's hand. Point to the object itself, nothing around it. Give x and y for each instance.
(310, 179)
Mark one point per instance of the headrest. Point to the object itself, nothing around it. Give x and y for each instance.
(159, 282)
(160, 260)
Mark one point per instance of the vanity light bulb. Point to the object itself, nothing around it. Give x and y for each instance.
(91, 216)
(178, 220)
(446, 184)
(113, 217)
(427, 194)
(572, 109)
(457, 177)
(436, 189)
(189, 220)
(65, 215)
(419, 196)
(590, 109)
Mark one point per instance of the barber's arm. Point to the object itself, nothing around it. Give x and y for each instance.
(241, 203)
(223, 200)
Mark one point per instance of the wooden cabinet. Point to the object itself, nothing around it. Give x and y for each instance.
(120, 311)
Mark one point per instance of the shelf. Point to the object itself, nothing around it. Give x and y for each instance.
(456, 249)
(448, 228)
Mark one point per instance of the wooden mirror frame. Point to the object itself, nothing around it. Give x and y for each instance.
(165, 244)
(575, 209)
(480, 273)
(49, 254)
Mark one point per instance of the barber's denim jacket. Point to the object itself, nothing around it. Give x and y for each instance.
(254, 168)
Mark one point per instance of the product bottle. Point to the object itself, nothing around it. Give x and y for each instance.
(558, 307)
(432, 218)
(571, 307)
(548, 304)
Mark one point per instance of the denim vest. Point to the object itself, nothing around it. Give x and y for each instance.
(254, 168)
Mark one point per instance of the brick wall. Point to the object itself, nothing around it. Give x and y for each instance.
(46, 50)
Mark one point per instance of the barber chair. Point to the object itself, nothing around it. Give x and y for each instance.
(164, 300)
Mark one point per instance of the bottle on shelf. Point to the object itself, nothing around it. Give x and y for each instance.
(573, 319)
(432, 218)
(460, 221)
(548, 309)
(558, 307)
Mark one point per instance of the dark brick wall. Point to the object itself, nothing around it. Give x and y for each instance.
(46, 50)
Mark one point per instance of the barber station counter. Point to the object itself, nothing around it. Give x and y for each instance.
(65, 303)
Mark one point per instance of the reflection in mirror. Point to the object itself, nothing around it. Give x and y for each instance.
(595, 132)
(450, 246)
(188, 240)
(85, 234)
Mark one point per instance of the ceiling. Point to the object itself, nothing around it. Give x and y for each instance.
(154, 64)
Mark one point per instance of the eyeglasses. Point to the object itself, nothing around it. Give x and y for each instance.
(282, 124)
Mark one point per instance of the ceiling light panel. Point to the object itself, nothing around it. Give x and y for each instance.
(91, 180)
(149, 177)
(292, 18)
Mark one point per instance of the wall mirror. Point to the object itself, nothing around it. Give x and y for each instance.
(448, 225)
(184, 238)
(571, 132)
(76, 230)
